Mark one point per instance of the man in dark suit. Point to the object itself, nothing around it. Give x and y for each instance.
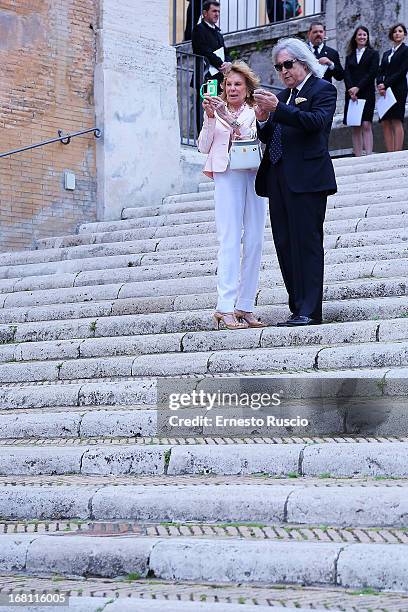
(278, 10)
(328, 57)
(194, 11)
(207, 38)
(297, 174)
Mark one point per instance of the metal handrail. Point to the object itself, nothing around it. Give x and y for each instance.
(63, 138)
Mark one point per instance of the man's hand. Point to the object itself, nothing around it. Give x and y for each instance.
(260, 114)
(224, 67)
(266, 100)
(381, 89)
(353, 91)
(325, 61)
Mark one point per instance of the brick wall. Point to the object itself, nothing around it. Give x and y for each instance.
(47, 57)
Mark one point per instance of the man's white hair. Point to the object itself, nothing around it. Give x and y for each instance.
(299, 50)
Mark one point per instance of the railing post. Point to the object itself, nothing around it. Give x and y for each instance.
(175, 22)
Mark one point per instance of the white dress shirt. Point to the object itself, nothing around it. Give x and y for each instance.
(299, 87)
(359, 53)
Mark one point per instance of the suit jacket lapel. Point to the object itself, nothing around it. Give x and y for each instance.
(397, 52)
(324, 51)
(286, 93)
(307, 86)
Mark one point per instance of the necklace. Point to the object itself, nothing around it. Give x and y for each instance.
(236, 113)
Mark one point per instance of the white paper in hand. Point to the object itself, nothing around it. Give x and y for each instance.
(221, 54)
(355, 112)
(384, 103)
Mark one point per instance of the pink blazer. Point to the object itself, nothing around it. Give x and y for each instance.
(215, 138)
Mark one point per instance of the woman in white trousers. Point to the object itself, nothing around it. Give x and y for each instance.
(239, 213)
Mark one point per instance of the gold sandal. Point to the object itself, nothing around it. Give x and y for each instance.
(229, 320)
(249, 318)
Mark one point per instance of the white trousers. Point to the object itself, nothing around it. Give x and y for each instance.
(239, 213)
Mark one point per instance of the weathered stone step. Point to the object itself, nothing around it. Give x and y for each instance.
(140, 424)
(356, 163)
(377, 279)
(339, 200)
(359, 355)
(373, 280)
(99, 283)
(335, 222)
(119, 231)
(353, 239)
(370, 262)
(142, 391)
(188, 212)
(193, 320)
(72, 271)
(386, 459)
(96, 603)
(133, 345)
(381, 566)
(79, 424)
(140, 249)
(346, 170)
(149, 595)
(268, 503)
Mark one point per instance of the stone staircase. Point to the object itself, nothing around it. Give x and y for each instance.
(91, 323)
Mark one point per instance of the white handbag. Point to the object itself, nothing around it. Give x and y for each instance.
(245, 155)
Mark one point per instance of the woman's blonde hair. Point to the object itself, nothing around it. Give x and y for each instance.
(251, 79)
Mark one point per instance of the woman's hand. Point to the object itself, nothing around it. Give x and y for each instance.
(381, 89)
(208, 108)
(353, 91)
(219, 105)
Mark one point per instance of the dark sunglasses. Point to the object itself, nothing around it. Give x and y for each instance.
(287, 64)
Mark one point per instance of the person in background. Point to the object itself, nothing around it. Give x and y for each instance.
(360, 71)
(239, 212)
(193, 15)
(206, 38)
(326, 56)
(278, 10)
(393, 73)
(297, 174)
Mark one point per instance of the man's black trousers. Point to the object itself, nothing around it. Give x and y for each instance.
(297, 229)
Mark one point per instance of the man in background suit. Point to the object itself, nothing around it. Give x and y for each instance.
(328, 57)
(297, 174)
(194, 11)
(207, 38)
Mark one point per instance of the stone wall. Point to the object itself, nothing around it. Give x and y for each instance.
(47, 54)
(136, 103)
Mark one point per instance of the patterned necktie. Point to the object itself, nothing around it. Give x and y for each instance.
(275, 145)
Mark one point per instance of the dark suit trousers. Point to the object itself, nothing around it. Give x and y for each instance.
(297, 228)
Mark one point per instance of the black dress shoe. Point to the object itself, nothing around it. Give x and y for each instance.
(299, 321)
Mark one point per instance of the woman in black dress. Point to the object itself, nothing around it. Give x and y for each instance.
(393, 73)
(359, 76)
